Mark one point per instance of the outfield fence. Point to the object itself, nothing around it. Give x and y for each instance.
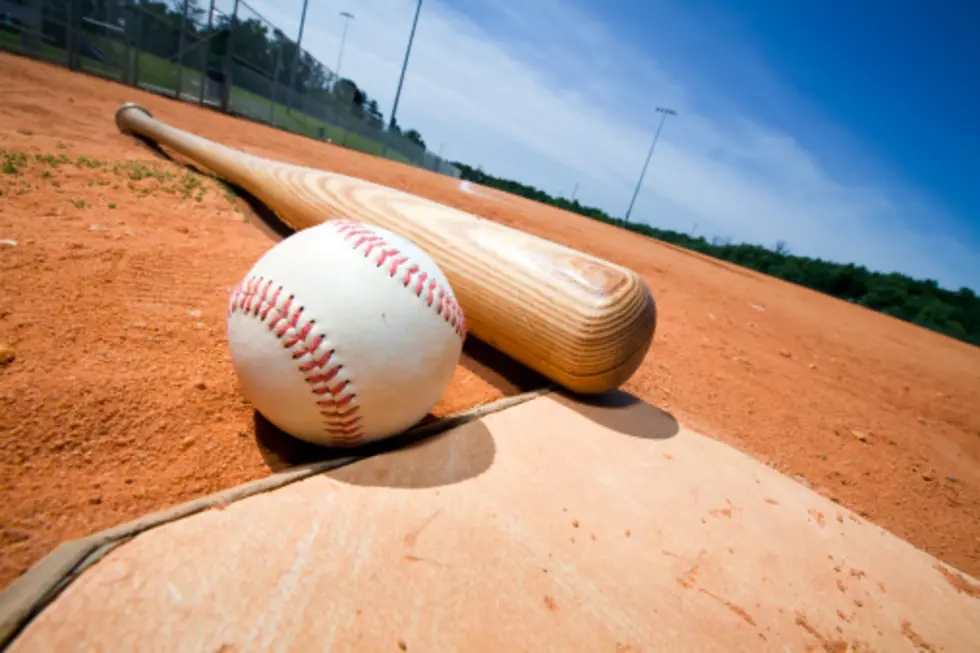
(228, 57)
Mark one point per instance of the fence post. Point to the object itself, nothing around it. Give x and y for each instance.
(180, 51)
(275, 86)
(130, 13)
(138, 45)
(71, 9)
(299, 51)
(207, 55)
(31, 35)
(132, 36)
(226, 91)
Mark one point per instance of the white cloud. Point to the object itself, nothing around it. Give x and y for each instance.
(543, 93)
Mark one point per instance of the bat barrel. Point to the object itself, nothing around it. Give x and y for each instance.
(583, 322)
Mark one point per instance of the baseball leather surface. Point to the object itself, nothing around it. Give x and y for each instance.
(344, 333)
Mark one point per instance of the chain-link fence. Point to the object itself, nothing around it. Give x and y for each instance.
(230, 58)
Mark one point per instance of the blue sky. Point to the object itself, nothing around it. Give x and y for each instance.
(849, 130)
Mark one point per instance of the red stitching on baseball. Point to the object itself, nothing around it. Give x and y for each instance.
(358, 234)
(340, 413)
(335, 402)
(323, 378)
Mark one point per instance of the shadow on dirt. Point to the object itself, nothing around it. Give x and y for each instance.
(498, 369)
(427, 456)
(622, 412)
(265, 218)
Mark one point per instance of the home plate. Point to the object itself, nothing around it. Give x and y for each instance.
(549, 525)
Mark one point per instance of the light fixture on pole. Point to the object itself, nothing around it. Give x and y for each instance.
(401, 78)
(665, 112)
(347, 18)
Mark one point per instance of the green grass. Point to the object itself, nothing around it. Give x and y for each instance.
(86, 162)
(52, 160)
(10, 41)
(301, 123)
(13, 162)
(185, 184)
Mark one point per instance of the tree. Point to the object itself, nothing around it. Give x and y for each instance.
(374, 115)
(360, 97)
(414, 136)
(252, 46)
(344, 90)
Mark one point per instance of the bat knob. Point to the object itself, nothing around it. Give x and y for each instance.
(125, 107)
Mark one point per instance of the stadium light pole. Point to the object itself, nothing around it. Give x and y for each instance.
(299, 41)
(340, 55)
(401, 78)
(663, 118)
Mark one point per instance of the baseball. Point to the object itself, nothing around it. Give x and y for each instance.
(344, 333)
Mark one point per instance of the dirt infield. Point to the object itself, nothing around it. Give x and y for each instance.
(121, 400)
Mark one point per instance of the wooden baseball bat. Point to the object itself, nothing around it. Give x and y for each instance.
(582, 322)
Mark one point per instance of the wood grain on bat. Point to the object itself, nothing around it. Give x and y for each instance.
(581, 321)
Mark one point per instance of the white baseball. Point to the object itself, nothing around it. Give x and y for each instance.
(344, 333)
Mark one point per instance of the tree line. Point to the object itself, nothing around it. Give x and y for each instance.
(922, 302)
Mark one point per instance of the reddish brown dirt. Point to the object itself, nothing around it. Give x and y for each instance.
(121, 399)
